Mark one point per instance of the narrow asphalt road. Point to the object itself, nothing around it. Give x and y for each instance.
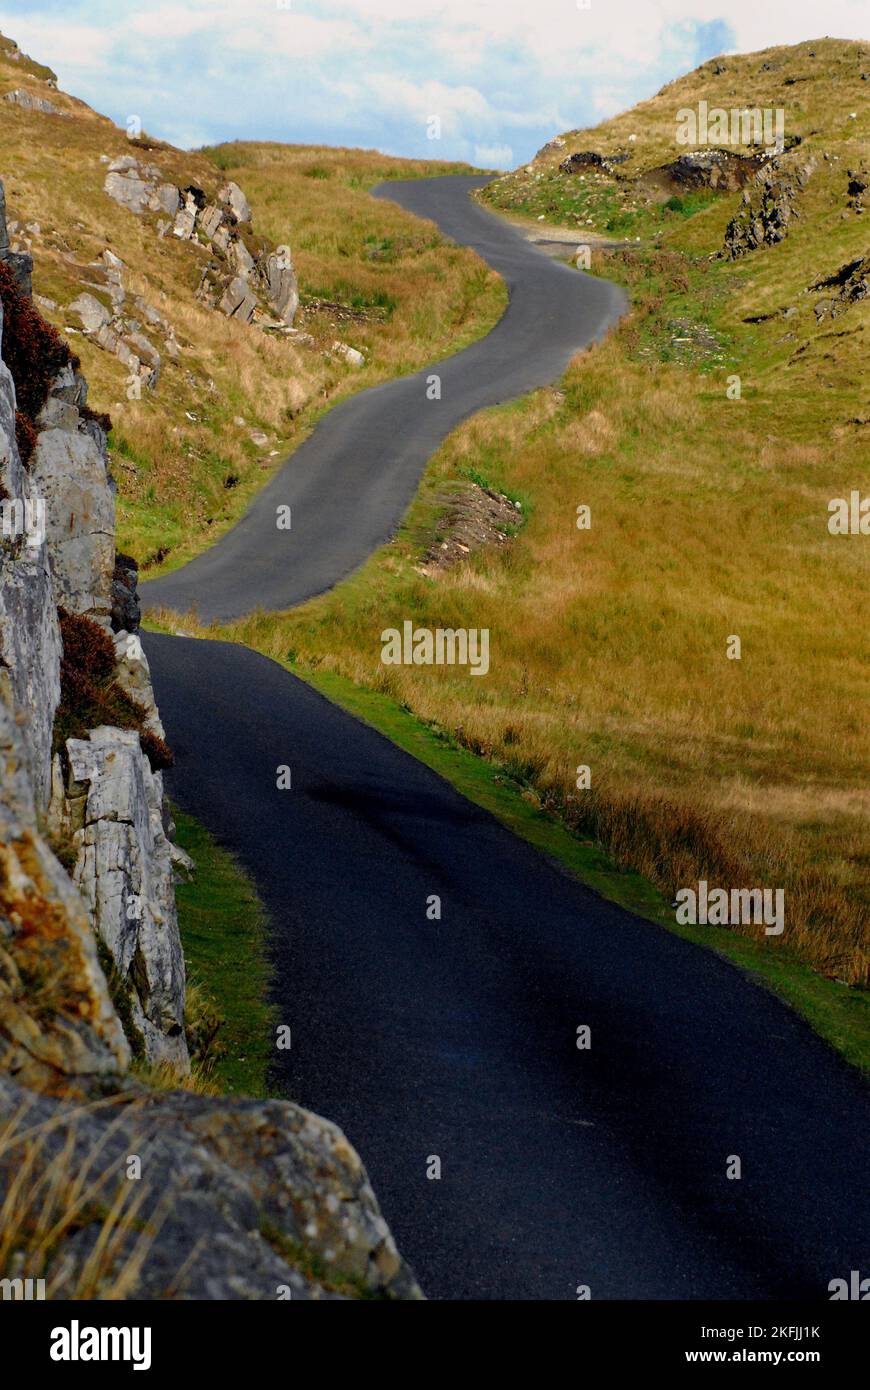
(456, 1038)
(351, 482)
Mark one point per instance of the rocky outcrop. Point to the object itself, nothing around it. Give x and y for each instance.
(552, 147)
(856, 189)
(243, 276)
(766, 217)
(847, 286)
(138, 187)
(69, 470)
(28, 101)
(588, 159)
(99, 793)
(110, 807)
(126, 608)
(724, 171)
(235, 1199)
(58, 1027)
(120, 325)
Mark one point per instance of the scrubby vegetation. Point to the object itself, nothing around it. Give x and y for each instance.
(90, 694)
(34, 352)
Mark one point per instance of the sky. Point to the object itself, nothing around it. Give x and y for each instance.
(501, 76)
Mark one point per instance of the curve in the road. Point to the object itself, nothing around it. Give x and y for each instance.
(350, 483)
(456, 1039)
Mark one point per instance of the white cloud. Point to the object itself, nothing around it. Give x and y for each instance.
(499, 73)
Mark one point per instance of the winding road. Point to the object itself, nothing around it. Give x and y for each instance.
(456, 1039)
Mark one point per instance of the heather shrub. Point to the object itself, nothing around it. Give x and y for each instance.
(25, 436)
(90, 695)
(33, 350)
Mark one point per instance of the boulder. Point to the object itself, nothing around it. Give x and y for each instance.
(124, 164)
(133, 674)
(351, 355)
(210, 219)
(144, 350)
(91, 313)
(132, 193)
(236, 201)
(70, 385)
(241, 1199)
(282, 291)
(185, 220)
(166, 199)
(241, 258)
(238, 301)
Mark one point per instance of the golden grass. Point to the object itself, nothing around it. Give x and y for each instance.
(51, 1192)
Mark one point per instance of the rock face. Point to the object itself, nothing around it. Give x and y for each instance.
(57, 1023)
(765, 218)
(846, 287)
(29, 632)
(99, 794)
(69, 470)
(243, 277)
(29, 102)
(722, 170)
(113, 812)
(239, 1199)
(117, 327)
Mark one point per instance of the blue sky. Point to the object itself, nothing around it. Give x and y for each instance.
(503, 76)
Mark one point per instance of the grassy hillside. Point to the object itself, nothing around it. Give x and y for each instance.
(817, 85)
(709, 520)
(379, 280)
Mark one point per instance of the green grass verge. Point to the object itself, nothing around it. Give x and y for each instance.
(223, 933)
(839, 1014)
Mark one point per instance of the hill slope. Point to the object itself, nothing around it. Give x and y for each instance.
(230, 398)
